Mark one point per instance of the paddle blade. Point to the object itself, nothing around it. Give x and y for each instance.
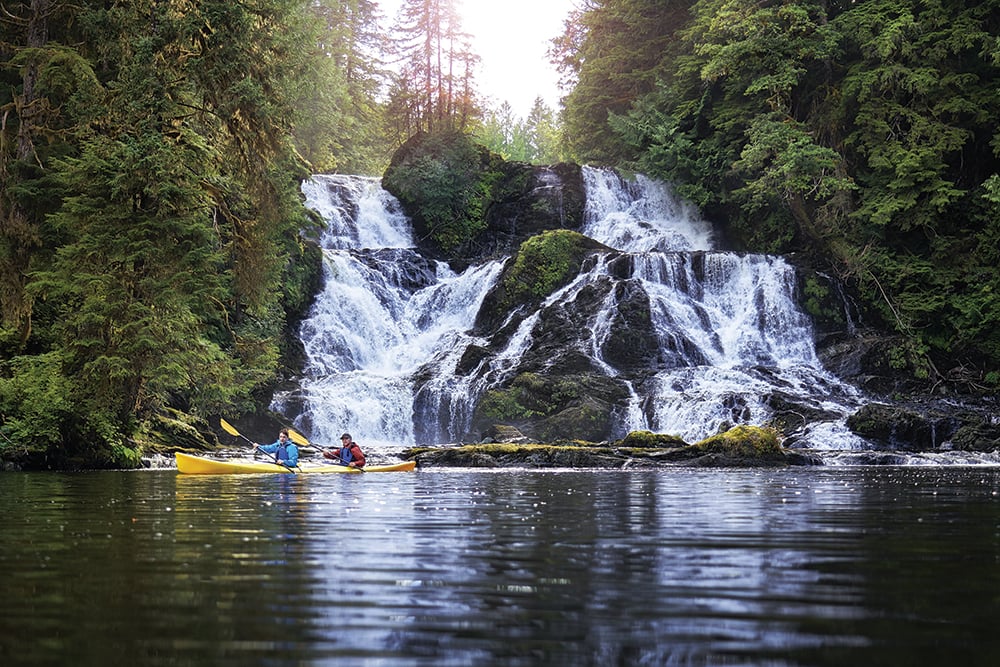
(298, 438)
(229, 428)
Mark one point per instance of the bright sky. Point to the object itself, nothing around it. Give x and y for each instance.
(511, 37)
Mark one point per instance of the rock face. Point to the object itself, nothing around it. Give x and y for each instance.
(468, 204)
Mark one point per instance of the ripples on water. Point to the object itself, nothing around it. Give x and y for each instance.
(817, 567)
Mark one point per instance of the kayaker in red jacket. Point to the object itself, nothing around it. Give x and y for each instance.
(349, 454)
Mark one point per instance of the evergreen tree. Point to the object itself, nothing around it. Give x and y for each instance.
(503, 133)
(534, 139)
(435, 88)
(338, 118)
(859, 131)
(542, 129)
(171, 249)
(609, 56)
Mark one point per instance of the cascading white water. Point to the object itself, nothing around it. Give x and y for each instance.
(384, 312)
(640, 216)
(729, 326)
(386, 335)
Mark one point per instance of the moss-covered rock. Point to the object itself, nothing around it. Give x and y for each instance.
(977, 437)
(744, 442)
(530, 455)
(444, 182)
(546, 408)
(542, 264)
(650, 440)
(741, 446)
(897, 427)
(467, 203)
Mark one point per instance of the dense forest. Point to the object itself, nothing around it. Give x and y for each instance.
(861, 132)
(155, 252)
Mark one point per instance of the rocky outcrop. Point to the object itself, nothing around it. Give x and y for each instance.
(742, 446)
(929, 426)
(468, 204)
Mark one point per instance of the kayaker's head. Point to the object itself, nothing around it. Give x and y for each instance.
(346, 438)
(283, 434)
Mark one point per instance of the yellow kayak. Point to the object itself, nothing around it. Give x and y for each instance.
(199, 465)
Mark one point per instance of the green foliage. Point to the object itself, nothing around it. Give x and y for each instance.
(817, 299)
(152, 217)
(534, 139)
(529, 395)
(611, 53)
(862, 133)
(37, 401)
(445, 181)
(339, 124)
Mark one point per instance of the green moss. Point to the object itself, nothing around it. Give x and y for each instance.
(543, 264)
(650, 440)
(817, 301)
(529, 395)
(744, 441)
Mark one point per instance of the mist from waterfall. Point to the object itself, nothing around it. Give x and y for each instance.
(386, 334)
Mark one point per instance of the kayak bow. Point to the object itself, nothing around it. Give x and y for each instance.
(199, 465)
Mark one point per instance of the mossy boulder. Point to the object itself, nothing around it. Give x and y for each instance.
(532, 455)
(542, 264)
(650, 440)
(444, 182)
(744, 442)
(468, 203)
(741, 446)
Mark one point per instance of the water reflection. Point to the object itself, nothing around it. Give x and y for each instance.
(454, 568)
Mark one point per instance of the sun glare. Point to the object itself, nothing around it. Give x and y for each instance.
(511, 38)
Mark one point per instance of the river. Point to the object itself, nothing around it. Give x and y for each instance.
(819, 566)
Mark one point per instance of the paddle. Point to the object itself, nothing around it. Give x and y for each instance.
(231, 430)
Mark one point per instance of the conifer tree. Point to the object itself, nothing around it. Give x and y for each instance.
(435, 87)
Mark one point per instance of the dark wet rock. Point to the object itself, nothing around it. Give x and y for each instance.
(977, 436)
(792, 414)
(401, 267)
(896, 427)
(547, 407)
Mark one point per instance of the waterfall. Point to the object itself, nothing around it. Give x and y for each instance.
(384, 312)
(389, 343)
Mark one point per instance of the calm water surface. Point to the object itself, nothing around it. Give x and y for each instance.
(836, 566)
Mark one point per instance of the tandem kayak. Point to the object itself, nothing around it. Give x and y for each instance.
(199, 465)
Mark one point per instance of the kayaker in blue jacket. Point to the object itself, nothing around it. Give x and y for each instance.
(284, 450)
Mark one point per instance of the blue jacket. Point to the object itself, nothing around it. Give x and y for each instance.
(287, 454)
